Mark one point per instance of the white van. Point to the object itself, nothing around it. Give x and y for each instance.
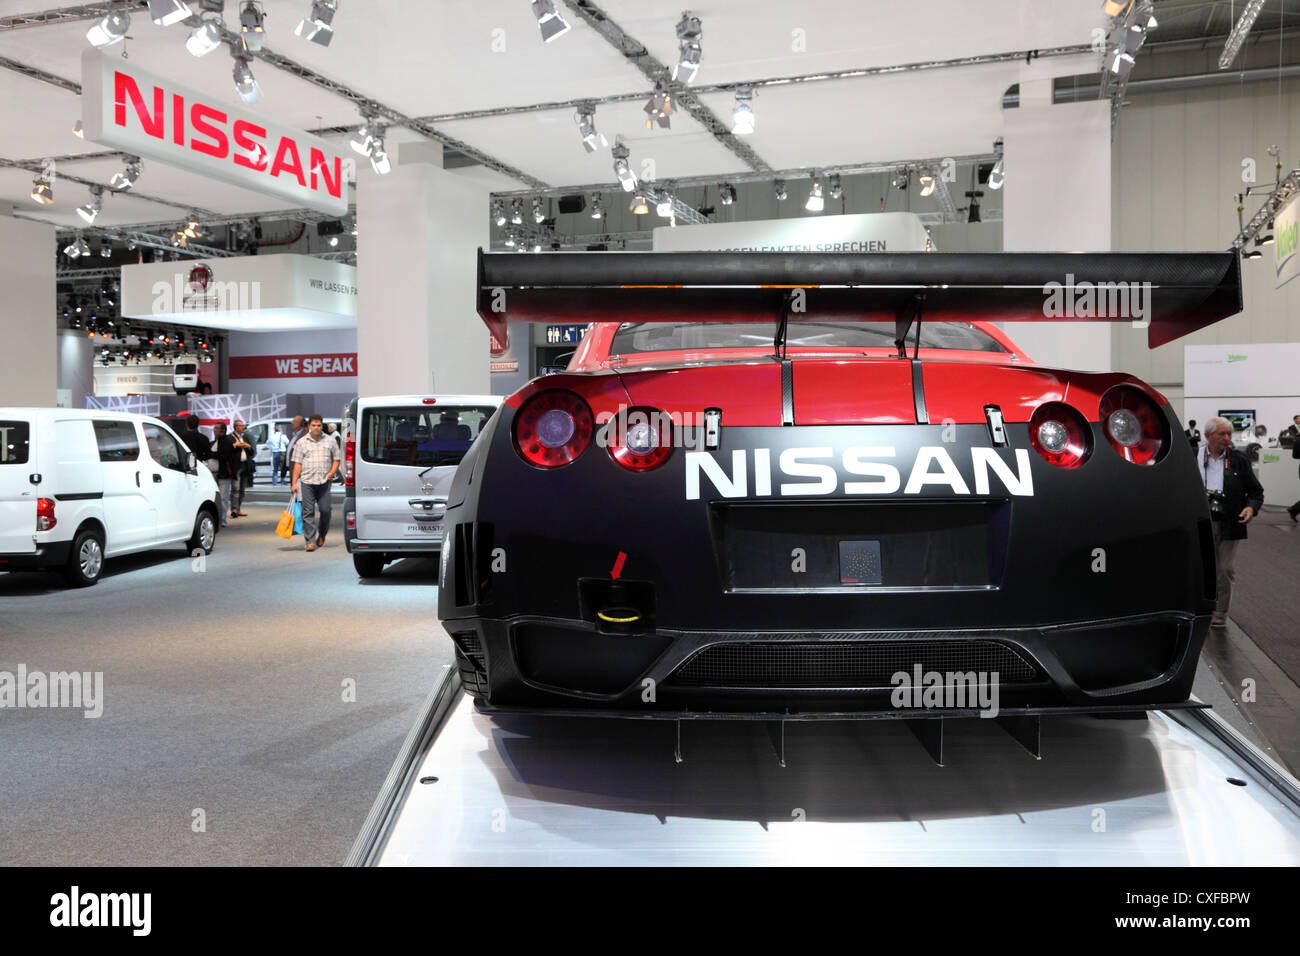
(185, 377)
(78, 486)
(399, 455)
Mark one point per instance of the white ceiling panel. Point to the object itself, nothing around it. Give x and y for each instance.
(753, 39)
(547, 145)
(878, 118)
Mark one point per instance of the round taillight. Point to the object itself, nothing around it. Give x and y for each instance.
(1060, 434)
(1134, 425)
(553, 428)
(641, 439)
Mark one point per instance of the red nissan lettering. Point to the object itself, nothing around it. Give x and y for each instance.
(288, 148)
(332, 186)
(248, 147)
(199, 116)
(124, 86)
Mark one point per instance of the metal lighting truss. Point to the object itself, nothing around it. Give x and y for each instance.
(81, 11)
(1285, 190)
(1240, 29)
(1127, 34)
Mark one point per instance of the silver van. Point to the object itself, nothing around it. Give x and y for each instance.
(399, 455)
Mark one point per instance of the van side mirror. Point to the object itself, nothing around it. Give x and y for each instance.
(192, 463)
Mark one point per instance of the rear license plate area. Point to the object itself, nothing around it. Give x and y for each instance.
(850, 545)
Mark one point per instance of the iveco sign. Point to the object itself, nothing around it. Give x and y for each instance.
(130, 109)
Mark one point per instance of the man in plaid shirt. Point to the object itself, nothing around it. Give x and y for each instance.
(315, 459)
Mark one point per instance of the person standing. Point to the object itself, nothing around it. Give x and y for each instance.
(1235, 497)
(299, 429)
(195, 440)
(1294, 510)
(278, 443)
(1193, 434)
(247, 454)
(227, 473)
(315, 460)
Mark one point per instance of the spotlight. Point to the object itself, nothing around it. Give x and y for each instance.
(974, 215)
(42, 189)
(927, 181)
(742, 114)
(333, 241)
(517, 212)
(997, 175)
(778, 187)
(815, 201)
(659, 108)
(597, 207)
(251, 31)
(317, 27)
(688, 42)
(191, 229)
(664, 205)
(245, 83)
(638, 205)
(498, 212)
(166, 12)
(586, 120)
(1252, 254)
(363, 140)
(836, 188)
(622, 167)
(110, 29)
(539, 214)
(128, 176)
(106, 252)
(537, 245)
(727, 194)
(379, 160)
(1267, 238)
(206, 36)
(901, 179)
(78, 130)
(510, 240)
(549, 22)
(92, 209)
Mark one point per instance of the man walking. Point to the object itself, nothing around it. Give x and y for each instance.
(227, 474)
(247, 453)
(299, 429)
(278, 444)
(315, 460)
(1235, 497)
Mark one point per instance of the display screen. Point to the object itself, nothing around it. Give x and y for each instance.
(1241, 418)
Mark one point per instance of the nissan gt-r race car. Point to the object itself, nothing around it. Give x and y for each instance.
(811, 484)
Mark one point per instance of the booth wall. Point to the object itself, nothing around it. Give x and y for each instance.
(1177, 166)
(28, 361)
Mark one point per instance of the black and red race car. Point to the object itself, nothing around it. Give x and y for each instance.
(772, 483)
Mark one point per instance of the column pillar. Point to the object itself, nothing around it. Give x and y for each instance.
(1058, 200)
(28, 326)
(418, 230)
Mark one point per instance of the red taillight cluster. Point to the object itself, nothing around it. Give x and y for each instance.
(1060, 434)
(553, 428)
(1133, 425)
(349, 463)
(45, 519)
(641, 439)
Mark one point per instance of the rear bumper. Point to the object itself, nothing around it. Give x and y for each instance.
(51, 555)
(355, 544)
(1141, 662)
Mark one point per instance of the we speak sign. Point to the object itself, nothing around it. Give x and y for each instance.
(149, 115)
(337, 365)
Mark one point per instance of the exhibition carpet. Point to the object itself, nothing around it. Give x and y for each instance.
(1265, 602)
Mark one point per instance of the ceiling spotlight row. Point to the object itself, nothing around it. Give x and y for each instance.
(368, 141)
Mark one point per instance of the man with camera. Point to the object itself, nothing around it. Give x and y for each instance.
(1235, 497)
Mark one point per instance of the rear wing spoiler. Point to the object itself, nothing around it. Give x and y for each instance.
(1171, 293)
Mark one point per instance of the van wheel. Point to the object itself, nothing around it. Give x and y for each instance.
(86, 561)
(368, 565)
(205, 533)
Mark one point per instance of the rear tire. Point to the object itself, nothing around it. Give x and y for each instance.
(474, 683)
(205, 533)
(368, 565)
(86, 560)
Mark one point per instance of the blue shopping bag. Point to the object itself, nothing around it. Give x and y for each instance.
(296, 508)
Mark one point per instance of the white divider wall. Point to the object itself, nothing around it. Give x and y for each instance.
(29, 356)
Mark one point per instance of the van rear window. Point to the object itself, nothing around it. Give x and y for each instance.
(117, 440)
(188, 368)
(14, 436)
(422, 436)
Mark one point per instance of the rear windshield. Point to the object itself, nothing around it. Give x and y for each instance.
(187, 369)
(13, 442)
(636, 337)
(423, 435)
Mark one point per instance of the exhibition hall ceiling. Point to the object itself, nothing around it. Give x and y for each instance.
(441, 60)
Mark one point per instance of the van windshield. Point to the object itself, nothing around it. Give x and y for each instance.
(188, 368)
(13, 442)
(422, 435)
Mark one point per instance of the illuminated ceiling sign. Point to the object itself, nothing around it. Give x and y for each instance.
(138, 112)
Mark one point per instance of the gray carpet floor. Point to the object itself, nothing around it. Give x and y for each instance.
(223, 693)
